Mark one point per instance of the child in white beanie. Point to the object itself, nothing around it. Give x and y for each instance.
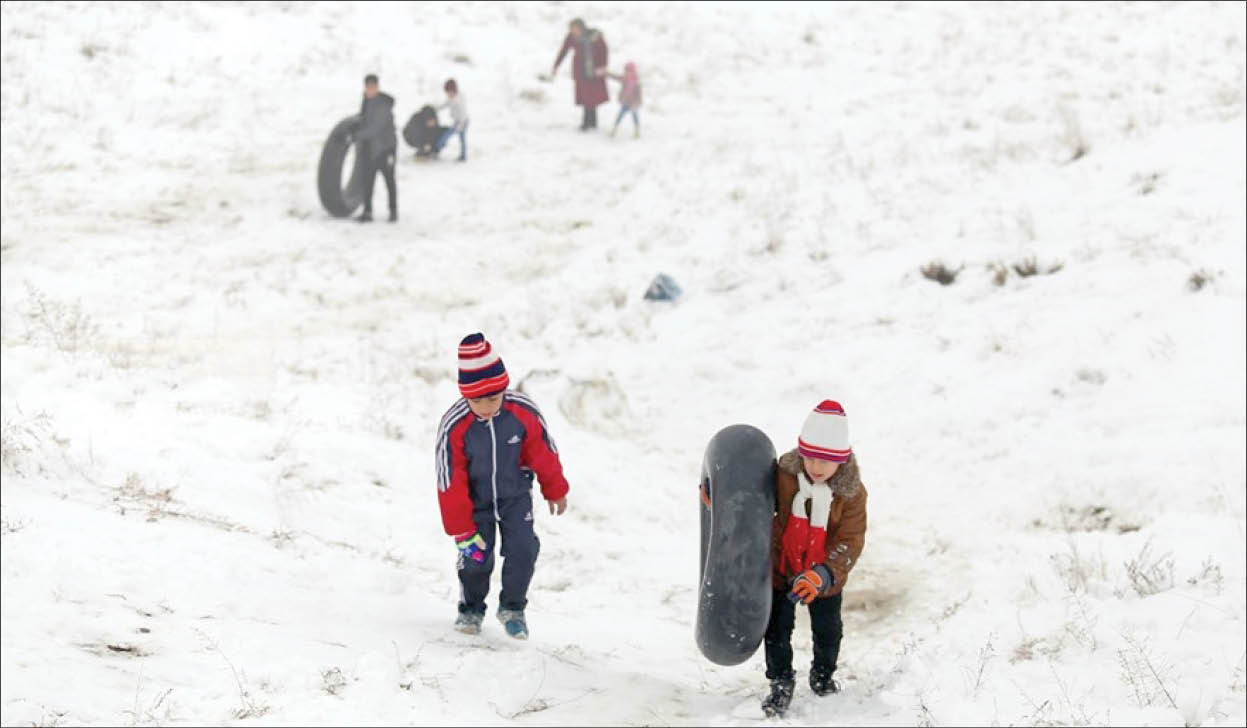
(818, 533)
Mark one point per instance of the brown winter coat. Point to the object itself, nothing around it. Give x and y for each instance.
(846, 525)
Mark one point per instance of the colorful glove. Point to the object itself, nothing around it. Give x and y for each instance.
(472, 545)
(810, 584)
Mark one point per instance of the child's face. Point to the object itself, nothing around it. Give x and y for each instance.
(819, 470)
(486, 407)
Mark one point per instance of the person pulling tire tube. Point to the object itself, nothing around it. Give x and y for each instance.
(377, 144)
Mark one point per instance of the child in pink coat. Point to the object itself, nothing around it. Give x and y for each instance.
(629, 97)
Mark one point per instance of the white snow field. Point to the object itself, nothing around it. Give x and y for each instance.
(219, 403)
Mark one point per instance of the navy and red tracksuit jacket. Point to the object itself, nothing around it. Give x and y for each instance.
(481, 462)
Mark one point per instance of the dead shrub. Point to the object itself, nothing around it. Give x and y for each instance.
(1199, 279)
(1028, 267)
(999, 271)
(937, 271)
(1150, 574)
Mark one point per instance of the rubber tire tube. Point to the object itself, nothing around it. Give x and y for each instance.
(734, 598)
(341, 201)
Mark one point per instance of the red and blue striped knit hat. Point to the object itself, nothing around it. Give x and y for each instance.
(825, 434)
(481, 372)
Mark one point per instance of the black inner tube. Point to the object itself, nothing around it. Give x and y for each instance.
(340, 200)
(734, 597)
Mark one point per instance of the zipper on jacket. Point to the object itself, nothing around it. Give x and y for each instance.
(493, 476)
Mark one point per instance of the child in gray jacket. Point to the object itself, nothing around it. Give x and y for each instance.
(459, 118)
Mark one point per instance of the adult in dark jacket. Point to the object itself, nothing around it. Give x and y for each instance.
(589, 56)
(378, 144)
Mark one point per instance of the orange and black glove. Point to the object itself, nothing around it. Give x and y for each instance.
(811, 583)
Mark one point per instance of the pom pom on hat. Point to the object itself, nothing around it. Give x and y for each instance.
(825, 434)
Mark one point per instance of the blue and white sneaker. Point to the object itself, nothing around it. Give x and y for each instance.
(469, 622)
(513, 620)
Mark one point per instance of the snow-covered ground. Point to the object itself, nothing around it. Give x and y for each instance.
(219, 403)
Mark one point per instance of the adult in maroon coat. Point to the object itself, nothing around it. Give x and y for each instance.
(588, 49)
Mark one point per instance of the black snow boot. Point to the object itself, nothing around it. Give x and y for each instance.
(366, 216)
(821, 682)
(776, 704)
(393, 215)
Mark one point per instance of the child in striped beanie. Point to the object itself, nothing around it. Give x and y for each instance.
(819, 531)
(490, 445)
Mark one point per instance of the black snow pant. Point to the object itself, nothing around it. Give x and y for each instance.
(385, 165)
(591, 118)
(519, 556)
(824, 622)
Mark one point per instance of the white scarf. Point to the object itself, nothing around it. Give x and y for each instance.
(818, 495)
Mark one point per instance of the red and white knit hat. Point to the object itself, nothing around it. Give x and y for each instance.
(481, 371)
(825, 434)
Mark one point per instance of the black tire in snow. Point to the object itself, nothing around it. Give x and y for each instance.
(341, 201)
(734, 598)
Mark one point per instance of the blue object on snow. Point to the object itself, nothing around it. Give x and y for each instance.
(663, 288)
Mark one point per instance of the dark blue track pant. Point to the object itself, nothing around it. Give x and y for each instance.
(519, 556)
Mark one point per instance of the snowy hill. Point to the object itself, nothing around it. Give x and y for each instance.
(219, 403)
